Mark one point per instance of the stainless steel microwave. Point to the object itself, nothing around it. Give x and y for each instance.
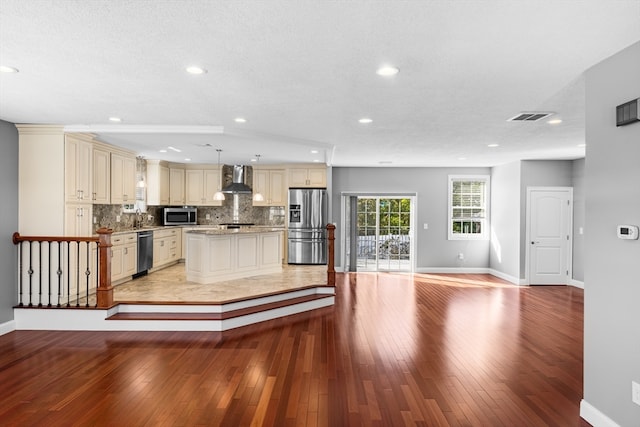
(180, 216)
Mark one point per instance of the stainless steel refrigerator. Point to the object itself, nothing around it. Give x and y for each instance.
(307, 235)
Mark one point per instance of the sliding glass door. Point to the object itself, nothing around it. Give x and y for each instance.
(383, 234)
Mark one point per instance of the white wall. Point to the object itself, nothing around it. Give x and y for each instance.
(505, 220)
(612, 277)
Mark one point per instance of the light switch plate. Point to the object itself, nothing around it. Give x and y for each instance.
(635, 392)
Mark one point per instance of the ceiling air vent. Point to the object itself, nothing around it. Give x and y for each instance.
(533, 116)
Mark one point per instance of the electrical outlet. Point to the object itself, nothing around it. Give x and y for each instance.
(461, 256)
(425, 226)
(117, 218)
(635, 392)
(95, 219)
(207, 216)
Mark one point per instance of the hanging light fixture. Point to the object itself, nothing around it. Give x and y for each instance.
(219, 195)
(258, 197)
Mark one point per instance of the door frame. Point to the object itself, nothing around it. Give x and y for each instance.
(344, 198)
(569, 247)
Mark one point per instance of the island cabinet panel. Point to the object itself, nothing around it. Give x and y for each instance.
(268, 243)
(218, 255)
(247, 252)
(220, 250)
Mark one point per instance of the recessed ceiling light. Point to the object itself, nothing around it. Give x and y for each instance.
(254, 160)
(115, 119)
(187, 160)
(493, 145)
(240, 120)
(314, 151)
(365, 120)
(6, 69)
(554, 121)
(316, 161)
(177, 150)
(462, 158)
(196, 70)
(387, 71)
(162, 151)
(582, 145)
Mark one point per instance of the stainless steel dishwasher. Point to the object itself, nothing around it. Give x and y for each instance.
(145, 252)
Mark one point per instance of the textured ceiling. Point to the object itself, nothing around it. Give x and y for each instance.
(303, 72)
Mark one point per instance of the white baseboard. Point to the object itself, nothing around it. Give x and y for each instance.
(595, 417)
(576, 283)
(452, 270)
(7, 327)
(508, 277)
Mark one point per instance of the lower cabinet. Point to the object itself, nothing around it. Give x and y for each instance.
(167, 246)
(124, 256)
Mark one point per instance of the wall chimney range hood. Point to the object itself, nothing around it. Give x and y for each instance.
(236, 179)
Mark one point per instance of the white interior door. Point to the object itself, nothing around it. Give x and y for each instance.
(549, 235)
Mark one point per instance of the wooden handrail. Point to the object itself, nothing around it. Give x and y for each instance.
(17, 238)
(331, 272)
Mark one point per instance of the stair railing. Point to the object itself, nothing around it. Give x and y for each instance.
(64, 272)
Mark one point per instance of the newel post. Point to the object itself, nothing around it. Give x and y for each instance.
(104, 293)
(331, 272)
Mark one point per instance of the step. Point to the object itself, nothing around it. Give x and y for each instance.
(218, 315)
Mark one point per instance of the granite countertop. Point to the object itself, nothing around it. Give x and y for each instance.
(217, 229)
(246, 230)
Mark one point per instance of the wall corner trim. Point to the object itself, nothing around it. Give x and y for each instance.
(7, 327)
(594, 417)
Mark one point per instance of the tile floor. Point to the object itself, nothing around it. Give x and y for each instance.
(170, 285)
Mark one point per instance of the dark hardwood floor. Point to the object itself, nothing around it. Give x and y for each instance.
(427, 350)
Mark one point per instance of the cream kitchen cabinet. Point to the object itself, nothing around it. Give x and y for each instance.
(101, 194)
(167, 246)
(176, 187)
(158, 182)
(77, 168)
(124, 256)
(201, 186)
(123, 179)
(78, 220)
(307, 177)
(271, 184)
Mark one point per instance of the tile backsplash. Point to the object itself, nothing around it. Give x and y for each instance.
(107, 215)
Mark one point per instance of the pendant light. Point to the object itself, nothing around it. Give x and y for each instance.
(258, 197)
(219, 195)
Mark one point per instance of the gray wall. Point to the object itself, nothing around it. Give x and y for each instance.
(578, 218)
(612, 278)
(9, 218)
(505, 219)
(539, 173)
(431, 185)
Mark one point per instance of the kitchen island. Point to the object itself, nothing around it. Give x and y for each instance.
(218, 255)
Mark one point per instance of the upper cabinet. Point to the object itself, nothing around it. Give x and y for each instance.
(201, 186)
(271, 184)
(101, 176)
(123, 178)
(77, 169)
(176, 186)
(157, 183)
(308, 177)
